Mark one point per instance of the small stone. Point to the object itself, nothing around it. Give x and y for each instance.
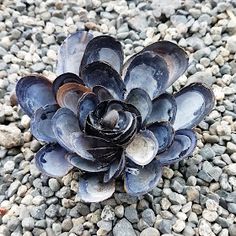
(138, 22)
(10, 136)
(119, 211)
(210, 216)
(176, 198)
(12, 223)
(177, 186)
(231, 169)
(38, 67)
(165, 226)
(188, 231)
(25, 121)
(148, 216)
(106, 226)
(231, 44)
(28, 223)
(56, 227)
(179, 226)
(131, 214)
(232, 207)
(38, 212)
(150, 232)
(51, 211)
(232, 230)
(167, 172)
(13, 188)
(108, 213)
(123, 227)
(231, 147)
(67, 224)
(211, 205)
(9, 166)
(53, 185)
(165, 204)
(207, 153)
(204, 228)
(35, 145)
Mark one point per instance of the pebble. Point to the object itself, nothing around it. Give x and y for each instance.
(148, 216)
(165, 226)
(123, 227)
(10, 136)
(53, 185)
(28, 223)
(131, 214)
(150, 232)
(231, 169)
(232, 230)
(9, 166)
(231, 41)
(179, 226)
(119, 211)
(108, 213)
(13, 188)
(210, 216)
(176, 198)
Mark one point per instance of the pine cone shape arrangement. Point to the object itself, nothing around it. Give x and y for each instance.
(113, 120)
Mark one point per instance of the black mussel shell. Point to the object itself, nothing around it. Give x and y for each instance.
(41, 124)
(194, 102)
(51, 160)
(105, 49)
(71, 52)
(33, 92)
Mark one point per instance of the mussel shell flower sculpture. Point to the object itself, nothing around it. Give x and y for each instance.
(113, 120)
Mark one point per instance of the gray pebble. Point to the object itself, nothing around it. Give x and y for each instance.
(150, 232)
(176, 198)
(123, 227)
(38, 212)
(28, 223)
(131, 214)
(53, 185)
(148, 216)
(232, 230)
(165, 226)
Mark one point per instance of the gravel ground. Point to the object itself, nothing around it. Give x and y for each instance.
(196, 197)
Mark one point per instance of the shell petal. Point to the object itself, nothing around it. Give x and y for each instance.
(71, 52)
(175, 58)
(86, 165)
(115, 170)
(143, 148)
(147, 71)
(50, 160)
(87, 103)
(194, 102)
(92, 189)
(141, 100)
(100, 73)
(63, 79)
(69, 94)
(144, 180)
(163, 109)
(102, 93)
(164, 134)
(83, 143)
(41, 124)
(104, 48)
(182, 146)
(64, 123)
(33, 92)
